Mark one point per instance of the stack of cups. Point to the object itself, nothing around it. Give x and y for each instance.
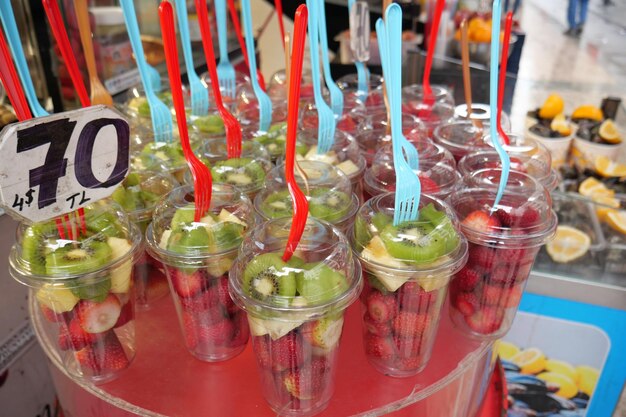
(82, 282)
(296, 310)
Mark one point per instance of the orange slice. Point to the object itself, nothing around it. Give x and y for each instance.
(609, 132)
(617, 220)
(607, 168)
(568, 245)
(552, 107)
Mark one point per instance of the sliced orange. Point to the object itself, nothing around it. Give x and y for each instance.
(592, 186)
(609, 132)
(552, 107)
(607, 168)
(560, 124)
(606, 204)
(617, 220)
(588, 111)
(568, 245)
(531, 361)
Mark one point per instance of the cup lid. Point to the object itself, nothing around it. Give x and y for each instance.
(461, 137)
(140, 191)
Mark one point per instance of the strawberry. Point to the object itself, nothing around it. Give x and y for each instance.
(530, 217)
(511, 297)
(242, 332)
(409, 363)
(408, 324)
(511, 256)
(323, 333)
(381, 307)
(505, 218)
(107, 356)
(408, 347)
(379, 347)
(482, 257)
(503, 275)
(467, 279)
(219, 333)
(50, 315)
(466, 302)
(309, 382)
(346, 124)
(411, 297)
(287, 352)
(126, 315)
(492, 295)
(374, 327)
(487, 320)
(201, 302)
(481, 222)
(186, 285)
(74, 337)
(261, 348)
(429, 186)
(224, 297)
(95, 317)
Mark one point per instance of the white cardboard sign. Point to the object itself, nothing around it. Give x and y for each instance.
(53, 165)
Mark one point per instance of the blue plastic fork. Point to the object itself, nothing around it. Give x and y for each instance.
(225, 70)
(265, 104)
(361, 70)
(15, 43)
(199, 93)
(408, 186)
(326, 123)
(159, 112)
(336, 96)
(155, 77)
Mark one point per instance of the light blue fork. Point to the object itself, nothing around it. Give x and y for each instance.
(336, 96)
(155, 77)
(160, 113)
(15, 43)
(408, 187)
(363, 74)
(199, 93)
(326, 119)
(225, 70)
(265, 104)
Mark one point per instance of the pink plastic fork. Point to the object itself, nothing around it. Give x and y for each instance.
(202, 181)
(242, 44)
(300, 203)
(504, 59)
(233, 128)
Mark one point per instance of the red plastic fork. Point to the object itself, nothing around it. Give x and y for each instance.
(432, 42)
(202, 181)
(504, 59)
(300, 203)
(278, 4)
(233, 128)
(242, 44)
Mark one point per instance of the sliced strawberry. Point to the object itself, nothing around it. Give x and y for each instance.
(408, 324)
(323, 333)
(485, 321)
(503, 275)
(505, 218)
(50, 315)
(513, 256)
(407, 347)
(224, 297)
(208, 328)
(429, 186)
(201, 302)
(381, 307)
(530, 217)
(492, 295)
(261, 348)
(346, 124)
(126, 315)
(307, 383)
(466, 303)
(481, 222)
(511, 297)
(409, 363)
(379, 347)
(98, 317)
(482, 257)
(374, 327)
(74, 337)
(242, 332)
(467, 279)
(186, 285)
(219, 333)
(287, 352)
(104, 357)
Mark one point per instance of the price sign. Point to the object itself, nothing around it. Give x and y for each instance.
(360, 31)
(56, 164)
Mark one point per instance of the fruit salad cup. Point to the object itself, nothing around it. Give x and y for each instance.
(138, 195)
(504, 242)
(137, 108)
(347, 123)
(249, 117)
(594, 140)
(83, 281)
(296, 310)
(407, 269)
(481, 113)
(328, 191)
(432, 113)
(242, 82)
(461, 138)
(526, 156)
(207, 127)
(197, 257)
(277, 89)
(374, 100)
(274, 141)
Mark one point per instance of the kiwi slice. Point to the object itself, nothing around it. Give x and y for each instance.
(444, 228)
(189, 241)
(95, 291)
(34, 248)
(319, 283)
(277, 205)
(71, 259)
(362, 235)
(168, 152)
(296, 262)
(415, 241)
(380, 221)
(128, 198)
(102, 222)
(183, 216)
(330, 205)
(225, 235)
(212, 124)
(268, 275)
(244, 173)
(132, 179)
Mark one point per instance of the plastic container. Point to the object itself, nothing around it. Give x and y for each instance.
(432, 114)
(138, 195)
(485, 295)
(558, 145)
(347, 123)
(277, 89)
(83, 287)
(405, 280)
(249, 117)
(197, 257)
(461, 138)
(329, 193)
(110, 42)
(482, 113)
(374, 100)
(146, 154)
(242, 82)
(296, 328)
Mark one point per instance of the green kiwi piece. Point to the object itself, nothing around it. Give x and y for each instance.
(34, 248)
(415, 241)
(132, 179)
(277, 205)
(104, 222)
(183, 216)
(319, 283)
(362, 234)
(268, 275)
(189, 241)
(126, 198)
(244, 173)
(225, 235)
(143, 108)
(444, 228)
(380, 221)
(71, 259)
(375, 283)
(149, 198)
(212, 124)
(96, 291)
(168, 152)
(296, 262)
(431, 214)
(330, 205)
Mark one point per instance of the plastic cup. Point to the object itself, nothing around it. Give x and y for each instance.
(481, 113)
(277, 89)
(588, 146)
(249, 117)
(527, 156)
(207, 127)
(461, 138)
(242, 81)
(329, 193)
(138, 195)
(347, 123)
(374, 100)
(83, 287)
(404, 295)
(432, 114)
(197, 257)
(485, 295)
(149, 155)
(296, 332)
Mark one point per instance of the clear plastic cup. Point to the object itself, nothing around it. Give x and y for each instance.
(138, 195)
(374, 100)
(461, 138)
(147, 154)
(277, 89)
(432, 113)
(407, 269)
(242, 82)
(83, 285)
(296, 310)
(485, 295)
(197, 257)
(249, 117)
(441, 94)
(207, 127)
(526, 155)
(481, 113)
(347, 123)
(274, 141)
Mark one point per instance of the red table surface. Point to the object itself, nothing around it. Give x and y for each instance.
(166, 380)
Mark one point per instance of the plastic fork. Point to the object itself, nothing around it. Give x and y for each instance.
(15, 43)
(202, 181)
(493, 101)
(432, 42)
(503, 63)
(361, 70)
(242, 44)
(199, 93)
(265, 104)
(336, 96)
(155, 77)
(408, 186)
(99, 94)
(278, 5)
(300, 203)
(233, 129)
(225, 69)
(159, 112)
(326, 119)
